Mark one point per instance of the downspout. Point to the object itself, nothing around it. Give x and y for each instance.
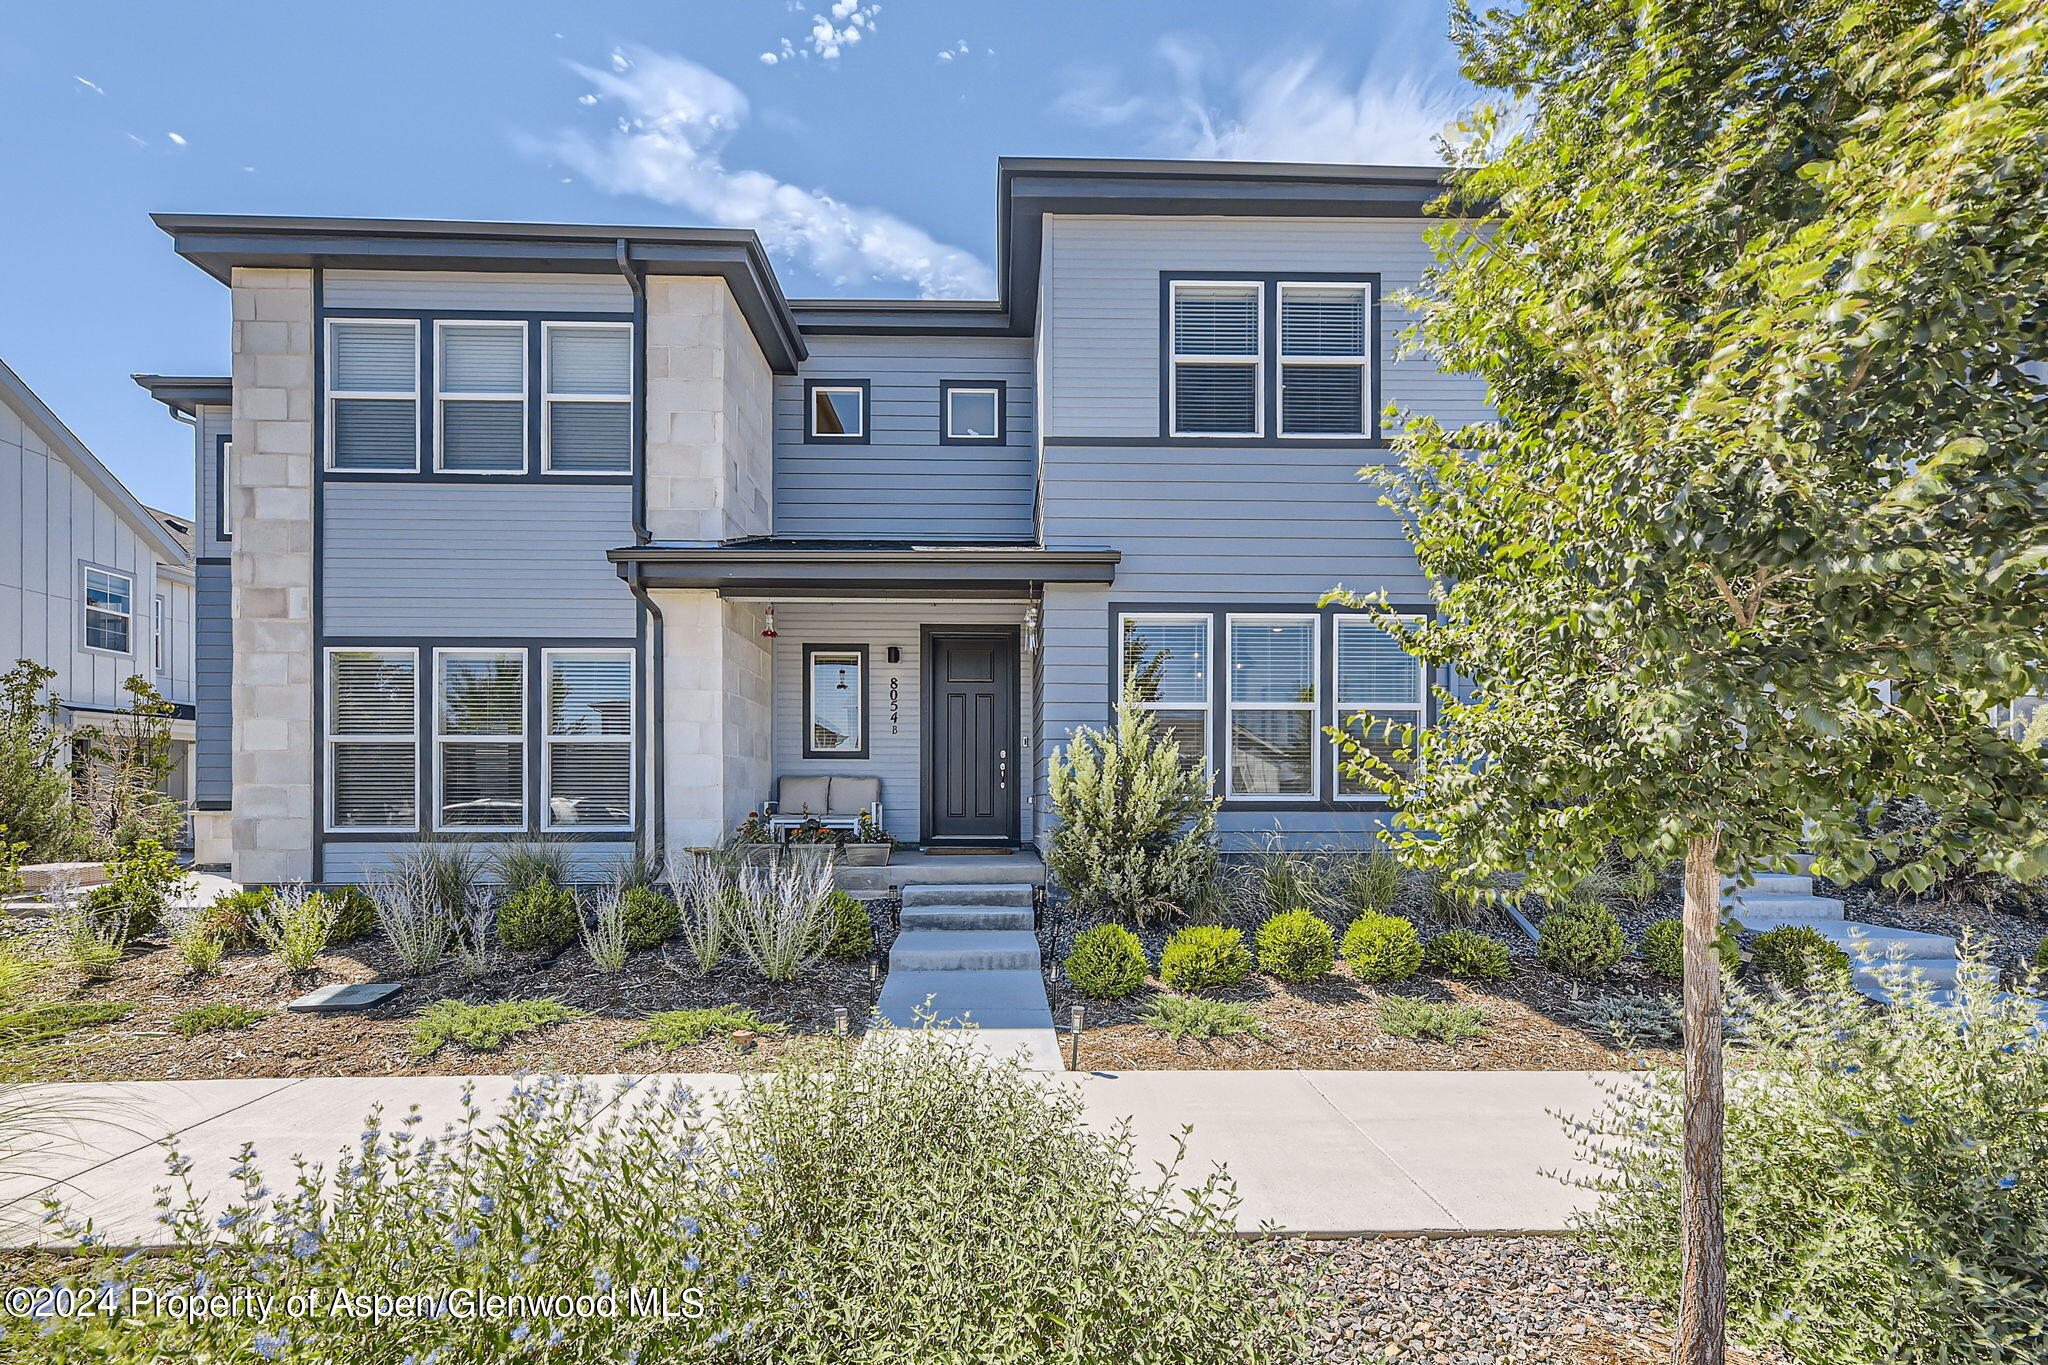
(635, 578)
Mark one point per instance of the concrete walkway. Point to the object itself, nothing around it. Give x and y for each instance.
(1317, 1152)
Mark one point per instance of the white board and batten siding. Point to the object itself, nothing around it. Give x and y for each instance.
(895, 743)
(904, 481)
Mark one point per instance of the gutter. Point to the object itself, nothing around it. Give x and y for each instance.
(657, 768)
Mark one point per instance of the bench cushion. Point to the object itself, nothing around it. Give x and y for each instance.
(852, 795)
(802, 795)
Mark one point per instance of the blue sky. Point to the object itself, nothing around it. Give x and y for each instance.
(864, 151)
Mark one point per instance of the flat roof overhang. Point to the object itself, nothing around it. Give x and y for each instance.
(185, 392)
(764, 569)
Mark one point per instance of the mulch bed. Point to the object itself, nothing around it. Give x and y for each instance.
(143, 1046)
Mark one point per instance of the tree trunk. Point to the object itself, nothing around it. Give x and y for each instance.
(1703, 1281)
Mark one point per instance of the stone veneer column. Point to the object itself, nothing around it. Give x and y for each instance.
(272, 596)
(709, 394)
(717, 703)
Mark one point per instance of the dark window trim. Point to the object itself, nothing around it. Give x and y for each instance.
(867, 412)
(220, 486)
(1326, 796)
(862, 652)
(1002, 393)
(1269, 282)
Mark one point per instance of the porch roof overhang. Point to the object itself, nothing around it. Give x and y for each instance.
(793, 569)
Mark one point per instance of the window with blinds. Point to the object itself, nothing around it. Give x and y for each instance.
(372, 739)
(1216, 359)
(373, 378)
(1165, 666)
(1380, 696)
(1324, 352)
(588, 757)
(109, 611)
(480, 738)
(588, 397)
(1272, 699)
(480, 382)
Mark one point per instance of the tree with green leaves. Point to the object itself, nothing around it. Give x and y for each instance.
(1757, 541)
(37, 809)
(124, 766)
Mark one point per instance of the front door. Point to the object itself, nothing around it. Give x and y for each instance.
(970, 756)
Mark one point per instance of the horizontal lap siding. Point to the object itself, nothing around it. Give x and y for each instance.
(213, 423)
(362, 861)
(214, 650)
(452, 561)
(457, 291)
(904, 482)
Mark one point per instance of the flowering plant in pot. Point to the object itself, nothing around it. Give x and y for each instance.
(869, 845)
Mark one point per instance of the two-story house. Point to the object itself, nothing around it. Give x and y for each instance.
(520, 530)
(93, 585)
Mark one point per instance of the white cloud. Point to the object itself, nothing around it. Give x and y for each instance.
(88, 85)
(830, 34)
(668, 145)
(174, 137)
(1291, 107)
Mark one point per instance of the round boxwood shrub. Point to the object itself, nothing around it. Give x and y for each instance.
(1798, 955)
(107, 905)
(1296, 946)
(1664, 949)
(853, 933)
(650, 918)
(1107, 963)
(543, 916)
(231, 918)
(1581, 939)
(1466, 953)
(355, 914)
(1204, 957)
(1382, 948)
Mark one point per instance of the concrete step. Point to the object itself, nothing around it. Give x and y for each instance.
(964, 917)
(1948, 997)
(964, 950)
(1762, 912)
(1037, 1048)
(987, 999)
(1870, 940)
(857, 880)
(1768, 884)
(959, 894)
(1940, 973)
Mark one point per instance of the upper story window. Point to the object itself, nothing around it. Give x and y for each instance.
(1217, 339)
(835, 702)
(1380, 690)
(1324, 340)
(1166, 667)
(109, 611)
(971, 411)
(373, 386)
(588, 427)
(158, 626)
(836, 410)
(480, 378)
(372, 739)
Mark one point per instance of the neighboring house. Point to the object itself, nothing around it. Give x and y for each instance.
(516, 530)
(92, 584)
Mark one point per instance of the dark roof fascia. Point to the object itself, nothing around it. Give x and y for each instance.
(218, 243)
(902, 317)
(184, 393)
(1028, 188)
(941, 571)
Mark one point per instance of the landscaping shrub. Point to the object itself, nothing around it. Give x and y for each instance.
(834, 1232)
(779, 916)
(216, 1019)
(1581, 939)
(1664, 950)
(603, 931)
(193, 940)
(1106, 962)
(2041, 957)
(1187, 1016)
(36, 805)
(853, 933)
(1203, 957)
(141, 879)
(542, 918)
(651, 918)
(93, 938)
(1887, 1177)
(56, 1019)
(1295, 946)
(1796, 956)
(1375, 882)
(448, 869)
(410, 916)
(295, 924)
(1631, 1021)
(671, 1029)
(1381, 948)
(538, 862)
(232, 917)
(705, 893)
(484, 1028)
(1406, 1017)
(355, 914)
(1135, 827)
(1464, 953)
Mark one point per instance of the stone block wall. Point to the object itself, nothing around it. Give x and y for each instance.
(709, 453)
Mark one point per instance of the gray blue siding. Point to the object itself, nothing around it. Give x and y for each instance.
(214, 650)
(460, 291)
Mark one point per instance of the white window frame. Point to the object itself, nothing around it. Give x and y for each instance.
(548, 398)
(631, 739)
(811, 432)
(86, 609)
(858, 659)
(1361, 362)
(442, 398)
(330, 738)
(520, 739)
(1256, 360)
(159, 624)
(1207, 706)
(995, 393)
(1314, 708)
(1338, 708)
(335, 394)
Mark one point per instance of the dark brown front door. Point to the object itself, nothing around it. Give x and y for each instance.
(970, 753)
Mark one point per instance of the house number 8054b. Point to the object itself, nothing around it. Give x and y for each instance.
(895, 703)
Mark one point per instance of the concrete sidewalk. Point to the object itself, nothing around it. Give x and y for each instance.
(1316, 1152)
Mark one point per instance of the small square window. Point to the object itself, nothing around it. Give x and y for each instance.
(972, 412)
(837, 412)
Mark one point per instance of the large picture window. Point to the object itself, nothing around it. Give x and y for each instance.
(373, 379)
(372, 739)
(1272, 700)
(109, 611)
(1380, 691)
(1324, 339)
(480, 378)
(1166, 667)
(1217, 341)
(480, 738)
(835, 701)
(588, 380)
(588, 760)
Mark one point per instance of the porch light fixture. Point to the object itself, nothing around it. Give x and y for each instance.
(769, 633)
(1031, 626)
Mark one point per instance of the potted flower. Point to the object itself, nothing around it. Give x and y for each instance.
(869, 845)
